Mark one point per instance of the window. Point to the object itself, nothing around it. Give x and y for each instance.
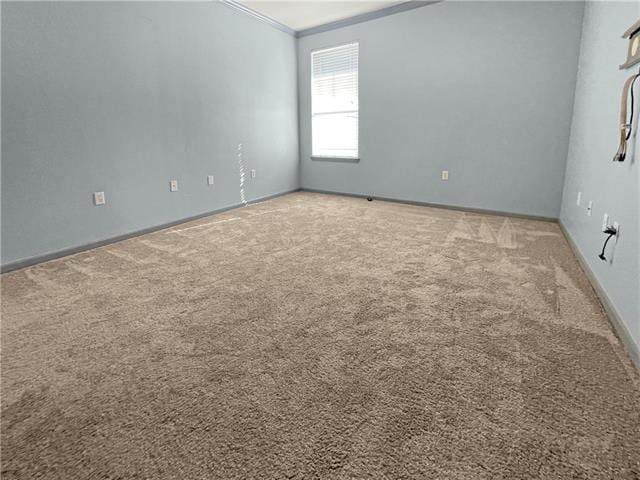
(334, 102)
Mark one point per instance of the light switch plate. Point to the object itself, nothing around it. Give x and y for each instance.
(579, 199)
(253, 173)
(445, 174)
(209, 179)
(173, 185)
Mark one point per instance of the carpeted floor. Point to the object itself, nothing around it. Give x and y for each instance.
(317, 337)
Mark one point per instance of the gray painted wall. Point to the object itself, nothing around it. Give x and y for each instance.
(122, 97)
(613, 187)
(484, 90)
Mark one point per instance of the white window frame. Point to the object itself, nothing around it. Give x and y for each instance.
(355, 158)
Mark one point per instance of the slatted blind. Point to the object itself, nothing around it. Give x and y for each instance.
(334, 101)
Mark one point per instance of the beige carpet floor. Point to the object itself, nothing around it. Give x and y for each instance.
(317, 337)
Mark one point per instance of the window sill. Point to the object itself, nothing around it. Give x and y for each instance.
(336, 159)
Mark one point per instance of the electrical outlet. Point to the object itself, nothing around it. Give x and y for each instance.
(98, 198)
(173, 185)
(209, 179)
(579, 199)
(605, 221)
(253, 173)
(589, 208)
(445, 174)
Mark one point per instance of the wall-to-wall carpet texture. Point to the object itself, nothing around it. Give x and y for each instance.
(123, 97)
(613, 187)
(317, 336)
(481, 89)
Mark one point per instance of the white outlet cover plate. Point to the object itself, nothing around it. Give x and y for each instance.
(589, 207)
(253, 173)
(579, 199)
(173, 185)
(445, 174)
(98, 198)
(210, 179)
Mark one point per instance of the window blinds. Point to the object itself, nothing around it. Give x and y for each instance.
(334, 101)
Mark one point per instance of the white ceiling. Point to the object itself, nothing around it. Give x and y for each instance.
(303, 14)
